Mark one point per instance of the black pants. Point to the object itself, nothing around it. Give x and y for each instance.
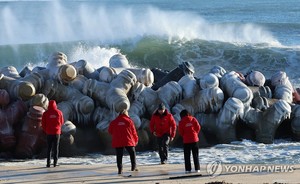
(132, 154)
(53, 146)
(187, 148)
(163, 147)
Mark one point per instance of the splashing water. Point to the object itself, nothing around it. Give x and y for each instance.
(62, 22)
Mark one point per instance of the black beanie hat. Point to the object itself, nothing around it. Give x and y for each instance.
(161, 106)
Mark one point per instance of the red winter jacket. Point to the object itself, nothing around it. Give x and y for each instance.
(162, 124)
(52, 119)
(189, 129)
(123, 132)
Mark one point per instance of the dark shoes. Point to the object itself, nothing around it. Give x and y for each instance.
(120, 171)
(135, 169)
(163, 162)
(55, 164)
(48, 163)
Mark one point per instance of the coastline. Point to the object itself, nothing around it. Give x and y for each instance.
(154, 173)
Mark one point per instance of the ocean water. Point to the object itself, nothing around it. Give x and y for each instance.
(237, 35)
(239, 152)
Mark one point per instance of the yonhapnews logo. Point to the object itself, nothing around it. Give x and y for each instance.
(216, 168)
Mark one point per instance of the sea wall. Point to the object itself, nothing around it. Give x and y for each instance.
(229, 105)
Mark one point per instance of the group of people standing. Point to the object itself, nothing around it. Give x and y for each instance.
(124, 135)
(163, 126)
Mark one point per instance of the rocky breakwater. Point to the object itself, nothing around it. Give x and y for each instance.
(229, 105)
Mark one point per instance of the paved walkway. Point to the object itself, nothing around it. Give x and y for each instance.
(155, 174)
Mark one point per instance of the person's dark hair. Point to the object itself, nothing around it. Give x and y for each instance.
(184, 113)
(161, 106)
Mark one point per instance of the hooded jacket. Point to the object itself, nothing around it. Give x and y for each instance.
(52, 119)
(123, 132)
(163, 124)
(189, 129)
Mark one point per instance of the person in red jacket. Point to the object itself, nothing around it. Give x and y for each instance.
(189, 129)
(124, 135)
(52, 120)
(163, 126)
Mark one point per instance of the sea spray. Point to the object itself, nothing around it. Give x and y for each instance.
(63, 22)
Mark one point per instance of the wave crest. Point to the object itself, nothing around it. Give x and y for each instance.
(55, 21)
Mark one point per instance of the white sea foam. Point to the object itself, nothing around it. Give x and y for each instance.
(96, 56)
(239, 152)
